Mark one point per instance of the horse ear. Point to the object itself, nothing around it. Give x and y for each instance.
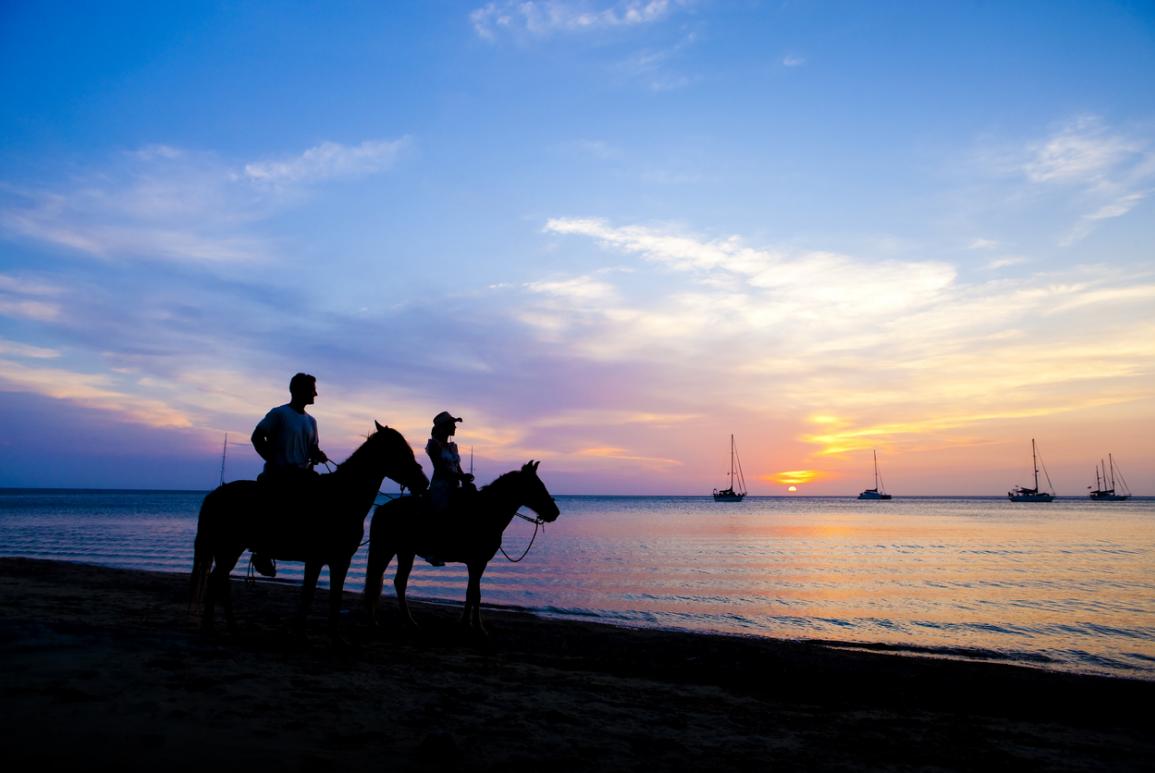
(535, 465)
(379, 427)
(527, 466)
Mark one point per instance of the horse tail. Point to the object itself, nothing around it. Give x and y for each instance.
(382, 546)
(202, 552)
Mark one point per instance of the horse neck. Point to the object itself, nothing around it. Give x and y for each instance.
(360, 473)
(503, 498)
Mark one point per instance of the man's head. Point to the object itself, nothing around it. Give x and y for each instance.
(303, 388)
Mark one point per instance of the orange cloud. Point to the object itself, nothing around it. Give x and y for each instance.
(794, 477)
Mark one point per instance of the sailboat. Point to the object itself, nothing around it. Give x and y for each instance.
(1023, 494)
(731, 494)
(1105, 490)
(877, 492)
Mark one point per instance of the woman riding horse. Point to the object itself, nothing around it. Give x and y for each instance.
(472, 536)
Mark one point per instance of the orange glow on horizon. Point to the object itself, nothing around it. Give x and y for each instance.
(794, 477)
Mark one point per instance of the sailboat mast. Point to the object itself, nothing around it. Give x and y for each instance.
(875, 469)
(224, 453)
(1112, 458)
(731, 462)
(1035, 462)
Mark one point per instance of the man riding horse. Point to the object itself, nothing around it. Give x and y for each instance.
(287, 440)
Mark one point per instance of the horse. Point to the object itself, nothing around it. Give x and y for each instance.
(405, 528)
(320, 521)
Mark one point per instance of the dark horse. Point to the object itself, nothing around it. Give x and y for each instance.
(319, 521)
(471, 536)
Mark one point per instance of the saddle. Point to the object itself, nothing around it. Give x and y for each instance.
(452, 520)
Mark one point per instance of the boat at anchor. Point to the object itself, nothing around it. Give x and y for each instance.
(1105, 489)
(878, 492)
(1024, 494)
(730, 493)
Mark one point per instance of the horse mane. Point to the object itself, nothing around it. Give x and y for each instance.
(359, 456)
(502, 481)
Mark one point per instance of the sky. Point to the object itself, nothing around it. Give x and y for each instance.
(609, 234)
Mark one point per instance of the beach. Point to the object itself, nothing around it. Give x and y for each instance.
(107, 667)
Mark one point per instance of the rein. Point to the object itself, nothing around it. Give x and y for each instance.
(538, 523)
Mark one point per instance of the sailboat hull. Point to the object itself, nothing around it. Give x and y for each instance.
(728, 496)
(1105, 496)
(874, 495)
(1030, 496)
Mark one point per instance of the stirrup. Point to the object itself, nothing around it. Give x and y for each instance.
(264, 565)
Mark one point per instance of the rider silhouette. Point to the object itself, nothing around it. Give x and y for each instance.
(287, 440)
(448, 477)
(448, 482)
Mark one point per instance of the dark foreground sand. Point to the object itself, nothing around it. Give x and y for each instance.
(105, 669)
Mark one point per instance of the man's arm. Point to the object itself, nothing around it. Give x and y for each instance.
(261, 442)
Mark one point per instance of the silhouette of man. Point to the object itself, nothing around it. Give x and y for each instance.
(287, 440)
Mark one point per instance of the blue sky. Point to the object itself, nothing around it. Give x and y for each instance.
(607, 233)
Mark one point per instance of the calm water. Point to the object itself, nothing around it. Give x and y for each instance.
(1067, 585)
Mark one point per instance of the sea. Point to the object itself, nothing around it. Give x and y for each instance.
(1067, 585)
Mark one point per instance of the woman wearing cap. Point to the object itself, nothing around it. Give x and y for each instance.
(447, 478)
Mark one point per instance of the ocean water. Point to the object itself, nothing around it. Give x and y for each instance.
(1068, 585)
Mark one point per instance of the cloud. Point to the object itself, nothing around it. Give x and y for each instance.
(94, 390)
(1107, 173)
(1081, 151)
(16, 349)
(329, 161)
(1005, 261)
(791, 60)
(827, 332)
(165, 204)
(813, 277)
(653, 68)
(542, 18)
(598, 149)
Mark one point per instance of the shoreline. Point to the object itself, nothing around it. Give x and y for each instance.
(107, 665)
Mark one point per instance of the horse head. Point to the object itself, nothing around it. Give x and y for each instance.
(397, 454)
(537, 497)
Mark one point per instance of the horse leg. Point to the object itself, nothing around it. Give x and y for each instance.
(374, 579)
(400, 582)
(220, 588)
(471, 615)
(308, 588)
(337, 573)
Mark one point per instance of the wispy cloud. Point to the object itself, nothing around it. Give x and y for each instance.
(161, 203)
(793, 60)
(16, 349)
(812, 327)
(598, 149)
(32, 299)
(93, 390)
(1108, 171)
(541, 18)
(329, 161)
(1081, 151)
(656, 68)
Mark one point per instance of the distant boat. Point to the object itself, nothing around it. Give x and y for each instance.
(1023, 494)
(877, 492)
(731, 494)
(1105, 490)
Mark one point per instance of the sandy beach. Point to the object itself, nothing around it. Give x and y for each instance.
(106, 667)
